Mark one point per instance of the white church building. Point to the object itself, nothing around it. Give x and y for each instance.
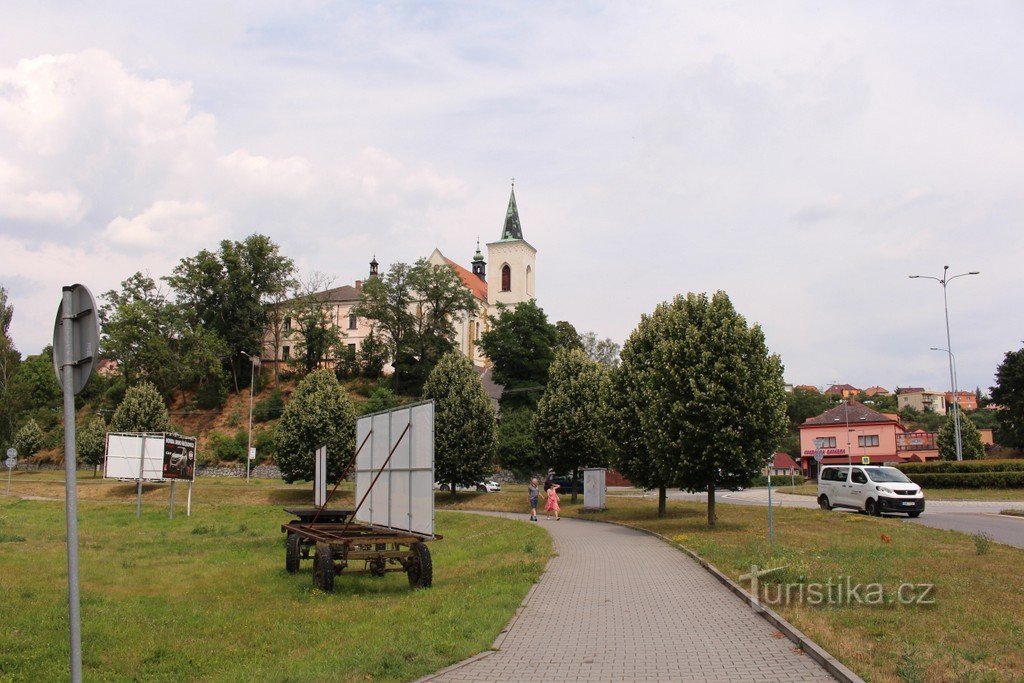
(511, 262)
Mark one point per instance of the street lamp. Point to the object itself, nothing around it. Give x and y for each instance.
(944, 281)
(253, 362)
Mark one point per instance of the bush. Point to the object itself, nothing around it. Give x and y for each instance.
(969, 480)
(778, 480)
(269, 408)
(265, 443)
(320, 413)
(227, 448)
(28, 439)
(952, 466)
(142, 410)
(380, 399)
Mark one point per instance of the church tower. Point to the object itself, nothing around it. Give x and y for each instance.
(479, 266)
(512, 262)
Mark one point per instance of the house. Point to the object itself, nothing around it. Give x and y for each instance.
(920, 399)
(782, 465)
(807, 387)
(876, 391)
(842, 390)
(967, 400)
(852, 433)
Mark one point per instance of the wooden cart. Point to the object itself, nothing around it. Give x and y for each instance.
(334, 542)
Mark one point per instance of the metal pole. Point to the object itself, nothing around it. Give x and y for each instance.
(248, 449)
(170, 506)
(142, 468)
(9, 480)
(771, 521)
(71, 488)
(849, 455)
(188, 507)
(952, 376)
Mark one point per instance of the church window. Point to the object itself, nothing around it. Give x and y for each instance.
(506, 278)
(351, 322)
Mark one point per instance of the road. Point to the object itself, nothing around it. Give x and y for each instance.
(967, 516)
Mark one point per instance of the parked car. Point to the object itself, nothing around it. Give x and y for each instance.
(487, 486)
(871, 489)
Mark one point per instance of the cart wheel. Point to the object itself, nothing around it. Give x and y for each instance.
(420, 568)
(292, 553)
(323, 567)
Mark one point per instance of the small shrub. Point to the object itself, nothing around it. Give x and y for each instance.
(778, 480)
(381, 398)
(265, 443)
(269, 408)
(969, 480)
(982, 543)
(227, 448)
(953, 466)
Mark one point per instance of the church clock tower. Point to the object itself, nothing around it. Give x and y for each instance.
(511, 262)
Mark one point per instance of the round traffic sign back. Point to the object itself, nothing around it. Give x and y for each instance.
(11, 463)
(12, 453)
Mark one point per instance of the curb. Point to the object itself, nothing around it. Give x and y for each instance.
(836, 668)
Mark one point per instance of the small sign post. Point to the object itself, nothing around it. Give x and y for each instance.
(11, 462)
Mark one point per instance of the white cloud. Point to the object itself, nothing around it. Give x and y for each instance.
(168, 224)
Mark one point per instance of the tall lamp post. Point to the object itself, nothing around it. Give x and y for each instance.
(253, 362)
(944, 281)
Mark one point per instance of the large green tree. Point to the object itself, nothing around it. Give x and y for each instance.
(521, 344)
(413, 309)
(517, 444)
(9, 361)
(318, 339)
(571, 421)
(464, 425)
(320, 413)
(230, 292)
(142, 410)
(804, 403)
(604, 351)
(971, 447)
(153, 339)
(699, 395)
(1008, 393)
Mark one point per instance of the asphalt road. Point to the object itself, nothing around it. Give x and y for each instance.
(967, 516)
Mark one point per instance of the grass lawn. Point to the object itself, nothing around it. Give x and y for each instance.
(207, 597)
(974, 631)
(929, 494)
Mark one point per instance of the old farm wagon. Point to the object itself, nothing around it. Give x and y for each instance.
(393, 519)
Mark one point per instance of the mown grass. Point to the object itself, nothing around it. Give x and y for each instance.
(973, 632)
(811, 489)
(207, 597)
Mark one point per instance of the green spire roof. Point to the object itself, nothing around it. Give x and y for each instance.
(512, 231)
(478, 256)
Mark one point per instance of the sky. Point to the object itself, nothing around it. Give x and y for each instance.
(804, 157)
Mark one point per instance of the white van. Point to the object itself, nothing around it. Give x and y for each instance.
(872, 489)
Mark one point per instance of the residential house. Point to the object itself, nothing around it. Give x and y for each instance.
(842, 390)
(782, 465)
(967, 400)
(921, 399)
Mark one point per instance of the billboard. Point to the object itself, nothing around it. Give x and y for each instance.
(179, 457)
(403, 496)
(149, 456)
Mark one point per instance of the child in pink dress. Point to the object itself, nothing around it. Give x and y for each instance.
(552, 503)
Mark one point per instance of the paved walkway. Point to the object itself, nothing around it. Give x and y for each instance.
(616, 604)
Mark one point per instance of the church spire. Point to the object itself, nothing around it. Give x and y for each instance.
(479, 266)
(513, 230)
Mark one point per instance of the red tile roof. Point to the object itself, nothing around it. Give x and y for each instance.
(855, 413)
(472, 282)
(783, 461)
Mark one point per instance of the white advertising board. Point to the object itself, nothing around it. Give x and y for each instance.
(594, 488)
(403, 496)
(128, 455)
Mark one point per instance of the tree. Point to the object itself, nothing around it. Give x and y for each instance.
(464, 427)
(521, 345)
(35, 384)
(517, 445)
(413, 309)
(319, 414)
(318, 338)
(28, 439)
(804, 403)
(9, 361)
(971, 447)
(604, 351)
(567, 336)
(142, 410)
(230, 292)
(373, 355)
(699, 396)
(571, 422)
(1009, 393)
(92, 442)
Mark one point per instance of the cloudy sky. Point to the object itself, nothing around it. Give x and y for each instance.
(804, 157)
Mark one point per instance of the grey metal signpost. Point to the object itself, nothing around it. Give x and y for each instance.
(11, 462)
(76, 337)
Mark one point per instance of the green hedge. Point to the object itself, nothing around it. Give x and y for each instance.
(964, 466)
(778, 480)
(968, 480)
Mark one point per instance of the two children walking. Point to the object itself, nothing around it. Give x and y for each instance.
(551, 494)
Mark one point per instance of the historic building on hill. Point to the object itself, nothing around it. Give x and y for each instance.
(511, 262)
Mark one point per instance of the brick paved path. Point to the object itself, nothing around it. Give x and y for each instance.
(619, 605)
